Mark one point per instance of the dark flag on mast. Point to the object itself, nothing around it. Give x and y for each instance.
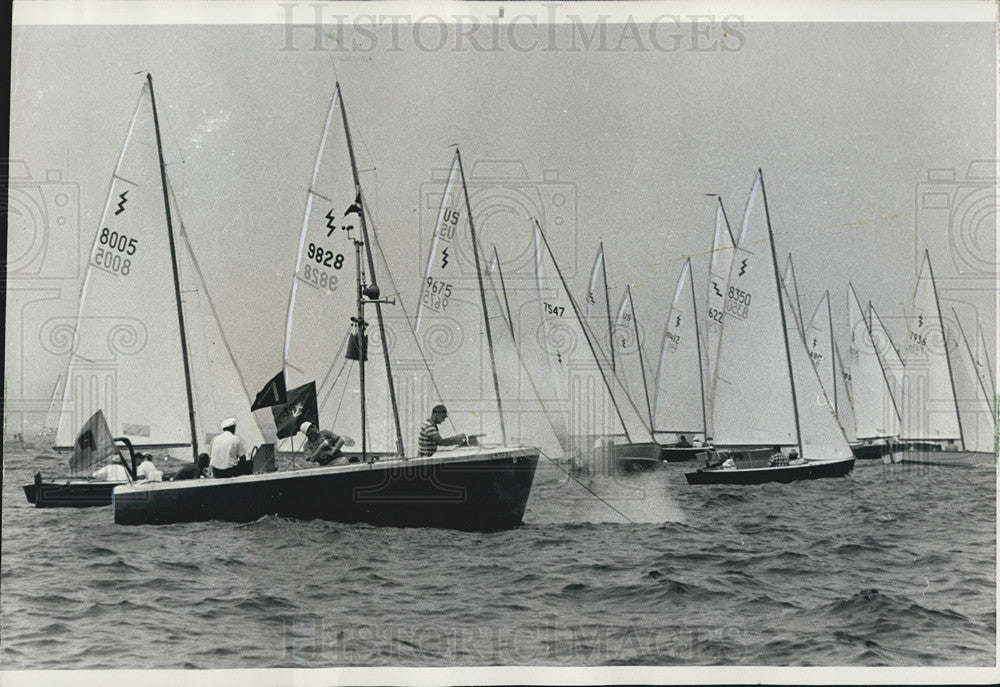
(355, 207)
(272, 394)
(300, 407)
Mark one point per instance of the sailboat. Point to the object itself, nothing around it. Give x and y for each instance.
(932, 430)
(826, 358)
(723, 248)
(476, 488)
(681, 374)
(975, 410)
(607, 426)
(766, 387)
(876, 417)
(133, 357)
(627, 344)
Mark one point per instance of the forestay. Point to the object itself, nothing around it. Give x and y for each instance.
(679, 386)
(929, 409)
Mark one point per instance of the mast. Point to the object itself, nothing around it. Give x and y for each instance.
(482, 297)
(784, 324)
(697, 341)
(173, 266)
(833, 359)
(503, 287)
(944, 339)
(590, 344)
(607, 303)
(362, 346)
(642, 365)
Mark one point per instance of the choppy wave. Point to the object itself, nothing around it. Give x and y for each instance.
(885, 567)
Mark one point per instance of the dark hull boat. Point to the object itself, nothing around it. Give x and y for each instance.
(763, 474)
(633, 458)
(474, 490)
(871, 451)
(679, 454)
(69, 493)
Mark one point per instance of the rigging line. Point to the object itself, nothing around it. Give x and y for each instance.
(586, 488)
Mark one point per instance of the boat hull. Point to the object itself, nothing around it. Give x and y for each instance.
(922, 456)
(783, 474)
(475, 491)
(871, 451)
(676, 454)
(70, 494)
(633, 458)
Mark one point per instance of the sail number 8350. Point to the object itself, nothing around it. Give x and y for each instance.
(738, 303)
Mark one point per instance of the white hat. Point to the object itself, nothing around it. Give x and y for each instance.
(304, 427)
(228, 422)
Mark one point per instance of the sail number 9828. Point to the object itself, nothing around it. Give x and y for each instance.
(319, 278)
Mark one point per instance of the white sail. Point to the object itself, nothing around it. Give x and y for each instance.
(928, 399)
(451, 322)
(975, 410)
(52, 416)
(845, 405)
(874, 409)
(597, 311)
(324, 300)
(888, 354)
(628, 342)
(752, 400)
(822, 436)
(127, 356)
(723, 247)
(678, 407)
(819, 341)
(598, 403)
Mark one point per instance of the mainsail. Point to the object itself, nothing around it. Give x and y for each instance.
(453, 319)
(599, 405)
(845, 405)
(875, 412)
(679, 385)
(975, 409)
(793, 288)
(929, 408)
(819, 341)
(763, 398)
(323, 309)
(128, 356)
(627, 345)
(887, 352)
(597, 310)
(982, 358)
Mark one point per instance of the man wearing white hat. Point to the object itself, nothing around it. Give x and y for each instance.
(229, 455)
(321, 446)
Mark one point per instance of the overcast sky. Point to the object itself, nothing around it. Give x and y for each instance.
(844, 119)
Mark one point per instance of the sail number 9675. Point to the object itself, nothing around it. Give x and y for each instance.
(436, 293)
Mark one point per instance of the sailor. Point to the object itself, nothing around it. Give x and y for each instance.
(430, 436)
(147, 470)
(778, 459)
(112, 472)
(194, 470)
(322, 446)
(794, 459)
(228, 454)
(697, 442)
(683, 442)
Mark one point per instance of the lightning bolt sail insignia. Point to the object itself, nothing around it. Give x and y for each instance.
(121, 205)
(444, 258)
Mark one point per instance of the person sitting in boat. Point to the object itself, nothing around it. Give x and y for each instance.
(795, 459)
(697, 442)
(729, 464)
(228, 454)
(194, 470)
(147, 470)
(112, 472)
(683, 442)
(778, 459)
(430, 435)
(951, 445)
(322, 446)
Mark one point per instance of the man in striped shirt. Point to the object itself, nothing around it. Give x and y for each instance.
(430, 437)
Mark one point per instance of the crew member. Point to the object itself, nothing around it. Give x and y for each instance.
(430, 436)
(322, 446)
(228, 453)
